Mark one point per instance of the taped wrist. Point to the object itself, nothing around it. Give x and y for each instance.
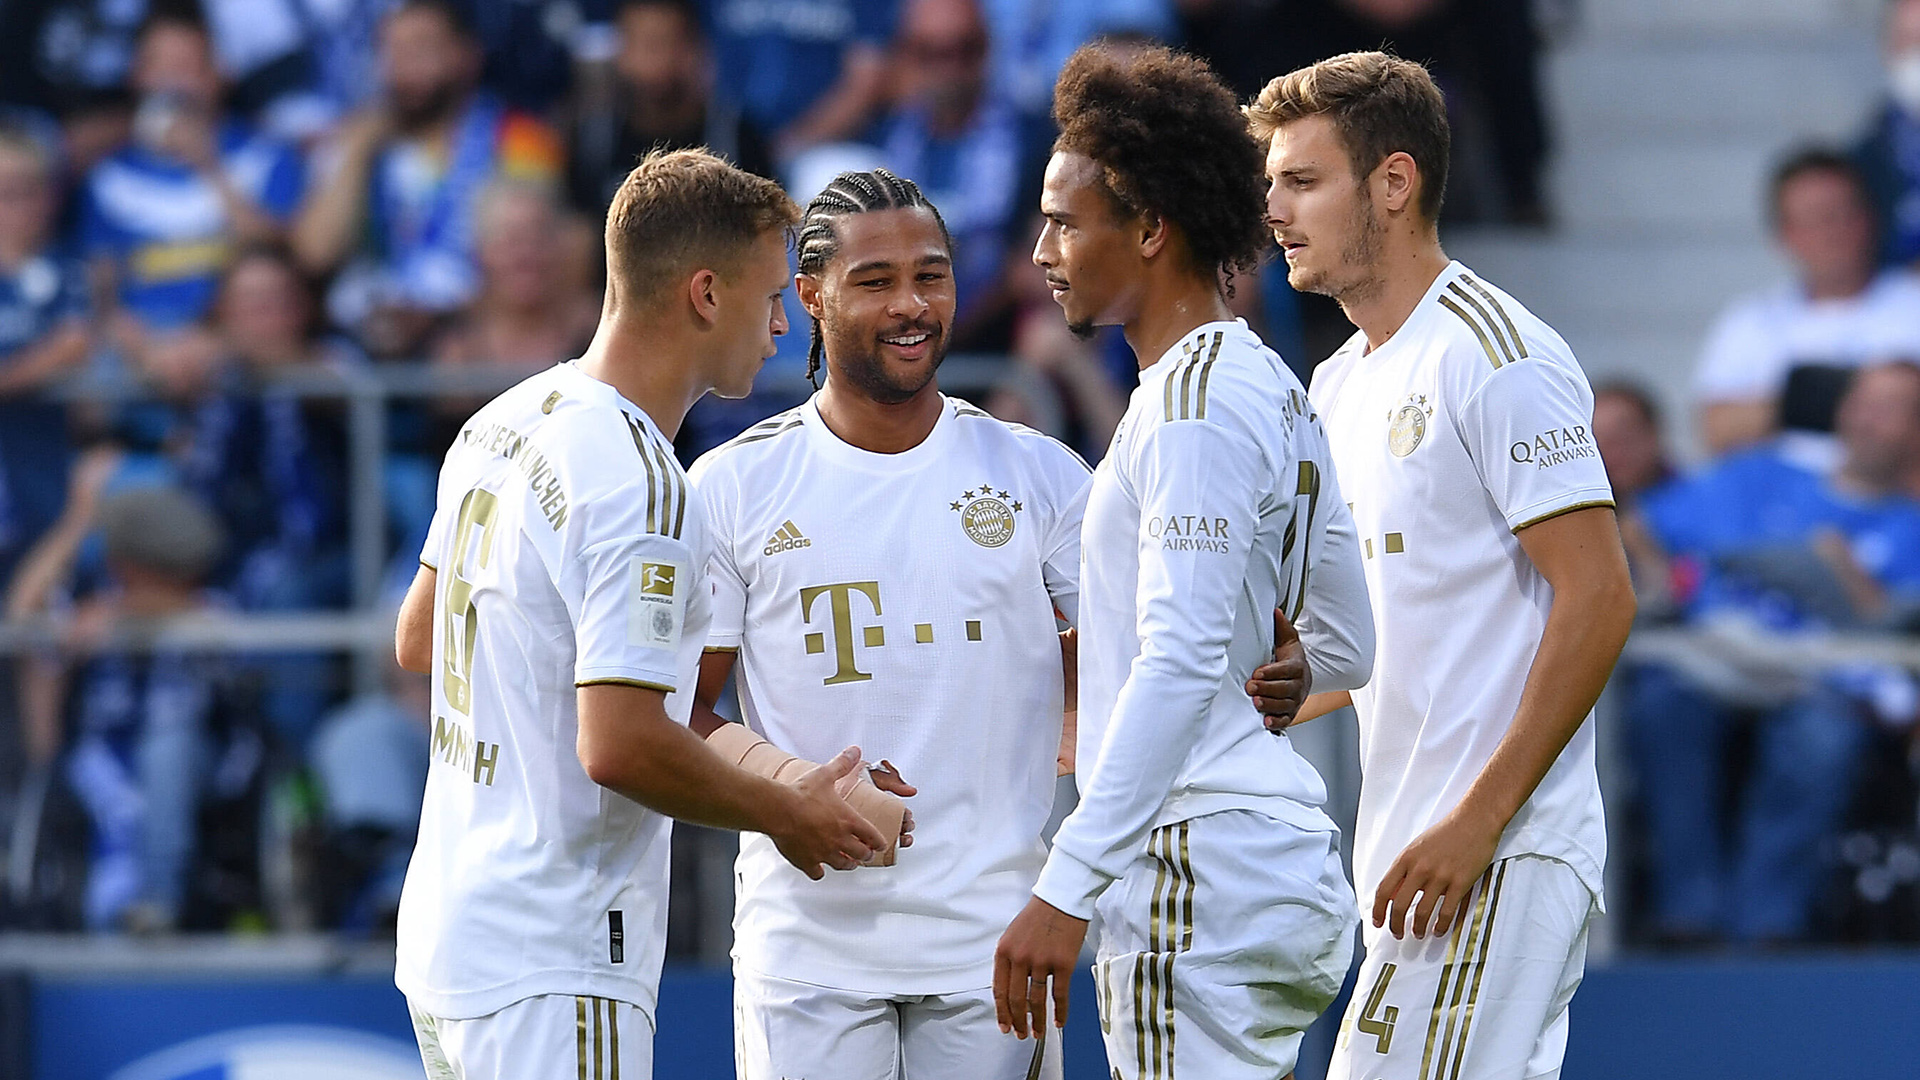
(738, 744)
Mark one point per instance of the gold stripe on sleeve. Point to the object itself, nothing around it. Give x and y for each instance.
(653, 491)
(1486, 317)
(721, 648)
(1206, 373)
(613, 1040)
(599, 1055)
(615, 681)
(1485, 344)
(1479, 969)
(580, 1034)
(1551, 514)
(667, 489)
(1512, 330)
(1168, 394)
(1186, 387)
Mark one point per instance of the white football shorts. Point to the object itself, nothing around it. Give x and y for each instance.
(786, 1030)
(1220, 945)
(549, 1037)
(1487, 1001)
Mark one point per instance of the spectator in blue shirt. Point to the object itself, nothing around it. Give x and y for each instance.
(1789, 549)
(395, 218)
(970, 150)
(166, 210)
(1889, 151)
(42, 336)
(807, 71)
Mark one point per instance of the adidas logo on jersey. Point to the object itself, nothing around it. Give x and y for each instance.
(787, 539)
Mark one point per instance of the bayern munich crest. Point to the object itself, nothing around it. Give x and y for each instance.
(987, 515)
(1408, 425)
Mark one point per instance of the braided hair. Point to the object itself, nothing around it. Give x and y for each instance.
(852, 193)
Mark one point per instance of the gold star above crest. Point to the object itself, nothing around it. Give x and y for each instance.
(956, 506)
(1005, 495)
(1016, 506)
(967, 494)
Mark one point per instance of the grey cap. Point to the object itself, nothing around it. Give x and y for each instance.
(163, 530)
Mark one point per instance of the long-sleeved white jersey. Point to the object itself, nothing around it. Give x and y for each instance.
(1216, 504)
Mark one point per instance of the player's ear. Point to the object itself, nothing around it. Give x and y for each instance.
(1153, 234)
(1397, 178)
(807, 288)
(703, 293)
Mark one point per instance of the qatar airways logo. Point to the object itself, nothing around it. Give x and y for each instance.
(1554, 446)
(1190, 532)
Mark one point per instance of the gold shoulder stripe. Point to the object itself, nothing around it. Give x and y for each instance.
(1492, 357)
(653, 483)
(1506, 347)
(1512, 331)
(1551, 514)
(962, 408)
(1200, 407)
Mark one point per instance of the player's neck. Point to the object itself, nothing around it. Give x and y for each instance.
(645, 366)
(879, 427)
(1170, 309)
(1402, 277)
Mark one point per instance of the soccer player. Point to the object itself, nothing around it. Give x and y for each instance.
(1227, 922)
(1463, 432)
(561, 607)
(887, 566)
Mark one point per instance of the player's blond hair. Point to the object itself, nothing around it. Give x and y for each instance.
(684, 210)
(1379, 104)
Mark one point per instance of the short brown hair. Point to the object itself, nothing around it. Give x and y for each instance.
(682, 210)
(1380, 105)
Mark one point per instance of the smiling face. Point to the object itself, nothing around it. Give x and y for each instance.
(749, 315)
(1089, 247)
(1321, 213)
(885, 302)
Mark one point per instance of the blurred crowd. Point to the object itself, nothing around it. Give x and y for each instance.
(1774, 797)
(209, 208)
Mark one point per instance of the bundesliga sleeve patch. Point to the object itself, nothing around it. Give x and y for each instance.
(656, 602)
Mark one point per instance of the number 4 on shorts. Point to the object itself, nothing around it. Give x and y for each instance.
(1376, 1021)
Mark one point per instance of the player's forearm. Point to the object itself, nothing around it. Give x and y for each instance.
(1586, 629)
(1319, 705)
(667, 768)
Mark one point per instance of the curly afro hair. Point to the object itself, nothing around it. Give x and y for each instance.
(1170, 140)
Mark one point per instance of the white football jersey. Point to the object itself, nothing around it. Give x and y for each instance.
(569, 550)
(1472, 422)
(903, 603)
(1216, 504)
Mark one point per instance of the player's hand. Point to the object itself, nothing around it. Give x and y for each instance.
(887, 778)
(1279, 689)
(1440, 866)
(1042, 944)
(822, 828)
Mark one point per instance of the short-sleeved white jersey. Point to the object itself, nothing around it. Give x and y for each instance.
(904, 603)
(569, 549)
(1216, 503)
(1472, 422)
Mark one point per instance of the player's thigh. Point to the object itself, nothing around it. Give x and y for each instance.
(957, 1037)
(1487, 1000)
(785, 1029)
(1224, 943)
(550, 1037)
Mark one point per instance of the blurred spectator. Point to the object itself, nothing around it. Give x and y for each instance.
(1779, 359)
(1760, 538)
(1626, 431)
(529, 48)
(370, 758)
(163, 213)
(42, 336)
(153, 731)
(65, 55)
(663, 96)
(1485, 54)
(808, 71)
(1889, 151)
(1031, 41)
(969, 148)
(395, 215)
(532, 311)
